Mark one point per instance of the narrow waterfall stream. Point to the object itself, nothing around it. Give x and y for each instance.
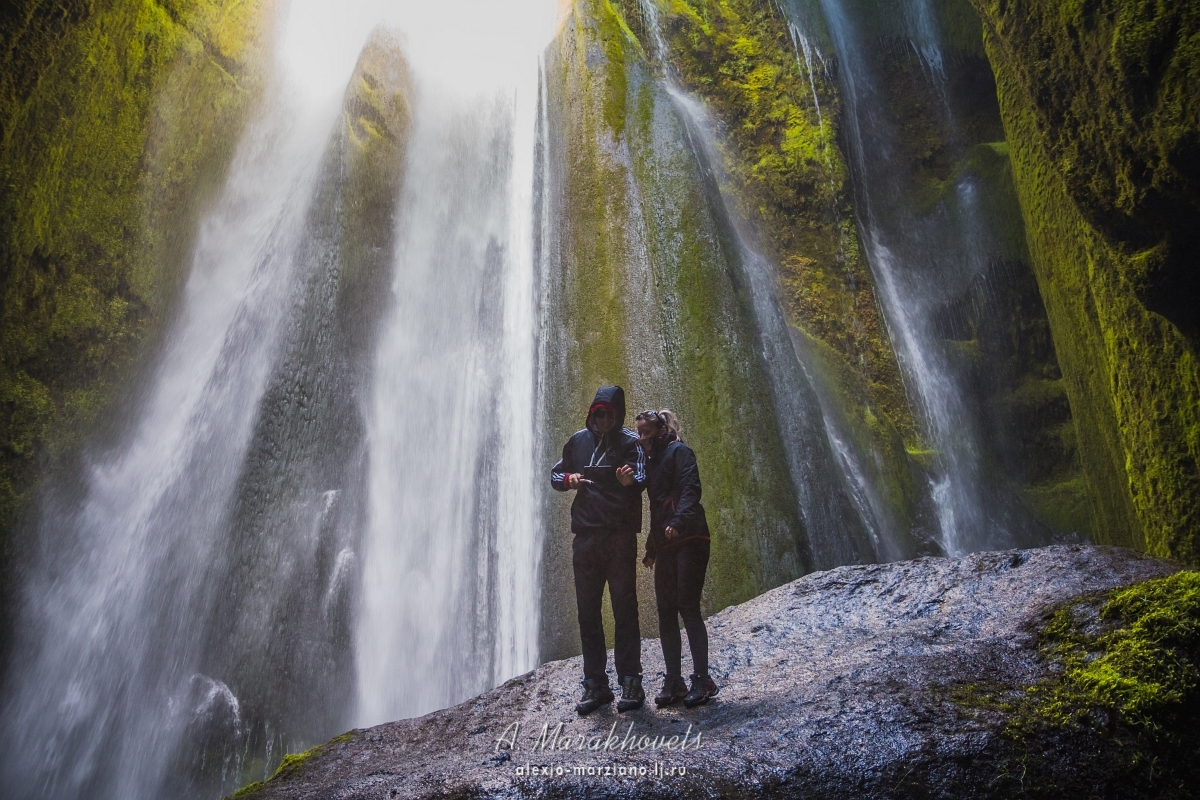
(922, 259)
(839, 530)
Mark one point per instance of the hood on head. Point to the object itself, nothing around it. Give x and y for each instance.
(610, 395)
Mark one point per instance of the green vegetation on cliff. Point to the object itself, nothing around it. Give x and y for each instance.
(948, 174)
(377, 113)
(118, 121)
(291, 766)
(777, 111)
(1098, 102)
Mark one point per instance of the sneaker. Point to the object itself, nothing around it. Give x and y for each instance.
(702, 689)
(632, 694)
(674, 689)
(595, 694)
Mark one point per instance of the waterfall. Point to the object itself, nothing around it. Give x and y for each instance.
(920, 260)
(99, 698)
(319, 508)
(843, 519)
(450, 581)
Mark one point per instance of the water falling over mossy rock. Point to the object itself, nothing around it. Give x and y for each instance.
(776, 103)
(310, 424)
(1099, 107)
(641, 290)
(772, 92)
(865, 682)
(117, 121)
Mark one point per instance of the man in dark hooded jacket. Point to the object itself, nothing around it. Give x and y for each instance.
(605, 466)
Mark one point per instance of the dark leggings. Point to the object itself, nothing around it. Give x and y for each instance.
(678, 581)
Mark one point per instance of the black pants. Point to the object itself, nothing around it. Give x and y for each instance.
(678, 581)
(599, 558)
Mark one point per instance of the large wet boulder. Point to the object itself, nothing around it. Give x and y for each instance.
(910, 679)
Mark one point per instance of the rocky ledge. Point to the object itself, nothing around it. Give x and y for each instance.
(859, 682)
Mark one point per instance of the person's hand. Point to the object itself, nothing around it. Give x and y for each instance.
(625, 475)
(649, 562)
(670, 532)
(573, 480)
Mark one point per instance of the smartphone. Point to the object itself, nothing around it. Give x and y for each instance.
(601, 475)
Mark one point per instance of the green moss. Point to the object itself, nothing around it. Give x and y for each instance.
(291, 766)
(1146, 669)
(118, 121)
(1099, 133)
(1128, 659)
(1124, 683)
(249, 790)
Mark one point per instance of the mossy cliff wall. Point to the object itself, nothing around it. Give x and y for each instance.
(933, 177)
(641, 290)
(118, 119)
(774, 98)
(1099, 106)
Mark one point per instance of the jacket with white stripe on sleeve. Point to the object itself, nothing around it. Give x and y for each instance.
(606, 505)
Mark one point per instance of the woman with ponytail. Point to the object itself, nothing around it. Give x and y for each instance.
(677, 550)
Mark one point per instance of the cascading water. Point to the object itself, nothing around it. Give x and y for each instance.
(921, 260)
(450, 582)
(192, 614)
(839, 531)
(844, 522)
(114, 607)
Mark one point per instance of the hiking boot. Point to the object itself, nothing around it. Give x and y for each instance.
(632, 694)
(595, 694)
(674, 689)
(702, 689)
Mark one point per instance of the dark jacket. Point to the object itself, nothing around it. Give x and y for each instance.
(605, 505)
(673, 486)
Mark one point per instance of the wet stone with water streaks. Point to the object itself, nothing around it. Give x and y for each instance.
(836, 685)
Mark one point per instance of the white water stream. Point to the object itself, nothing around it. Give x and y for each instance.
(450, 581)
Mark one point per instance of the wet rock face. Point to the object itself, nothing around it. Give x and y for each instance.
(835, 685)
(1102, 130)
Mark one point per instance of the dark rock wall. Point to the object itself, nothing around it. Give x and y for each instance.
(947, 132)
(1099, 106)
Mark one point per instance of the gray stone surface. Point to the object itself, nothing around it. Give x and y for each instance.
(832, 686)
